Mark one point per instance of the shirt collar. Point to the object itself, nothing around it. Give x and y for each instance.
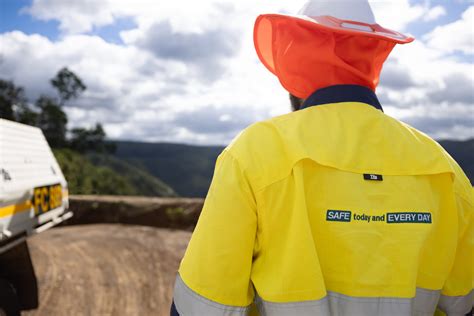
(343, 93)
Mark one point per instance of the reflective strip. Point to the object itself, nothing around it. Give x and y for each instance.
(308, 308)
(188, 302)
(335, 304)
(457, 305)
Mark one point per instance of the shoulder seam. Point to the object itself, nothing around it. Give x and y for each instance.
(243, 170)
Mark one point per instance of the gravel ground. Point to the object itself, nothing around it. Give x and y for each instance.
(110, 269)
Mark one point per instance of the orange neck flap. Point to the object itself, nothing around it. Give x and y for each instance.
(306, 58)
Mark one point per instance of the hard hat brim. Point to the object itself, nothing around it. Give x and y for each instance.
(264, 22)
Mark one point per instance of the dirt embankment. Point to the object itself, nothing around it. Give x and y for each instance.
(180, 213)
(124, 267)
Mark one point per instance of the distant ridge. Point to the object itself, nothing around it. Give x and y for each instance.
(188, 169)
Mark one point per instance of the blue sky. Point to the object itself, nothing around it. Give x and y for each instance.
(11, 19)
(454, 10)
(156, 63)
(14, 18)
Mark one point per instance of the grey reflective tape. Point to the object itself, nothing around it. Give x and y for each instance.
(307, 308)
(457, 305)
(189, 303)
(425, 301)
(335, 304)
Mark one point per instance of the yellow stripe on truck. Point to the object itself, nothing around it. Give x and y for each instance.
(14, 209)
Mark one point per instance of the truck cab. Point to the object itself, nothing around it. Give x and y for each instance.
(33, 192)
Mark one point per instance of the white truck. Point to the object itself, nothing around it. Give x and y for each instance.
(33, 198)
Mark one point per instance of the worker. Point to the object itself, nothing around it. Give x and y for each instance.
(336, 208)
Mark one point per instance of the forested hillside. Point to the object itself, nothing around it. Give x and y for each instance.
(105, 175)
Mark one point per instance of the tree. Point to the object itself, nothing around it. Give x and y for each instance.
(68, 85)
(52, 120)
(8, 96)
(27, 116)
(14, 104)
(85, 140)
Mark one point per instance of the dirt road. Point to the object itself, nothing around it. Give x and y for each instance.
(106, 269)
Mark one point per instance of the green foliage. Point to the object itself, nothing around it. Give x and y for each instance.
(105, 175)
(52, 120)
(27, 116)
(85, 178)
(68, 85)
(14, 105)
(175, 213)
(8, 95)
(141, 180)
(90, 140)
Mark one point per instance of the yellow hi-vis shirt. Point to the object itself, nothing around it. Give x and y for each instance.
(336, 209)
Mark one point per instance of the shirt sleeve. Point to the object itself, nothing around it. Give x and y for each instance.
(214, 275)
(457, 296)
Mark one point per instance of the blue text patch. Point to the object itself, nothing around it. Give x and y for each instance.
(338, 216)
(408, 217)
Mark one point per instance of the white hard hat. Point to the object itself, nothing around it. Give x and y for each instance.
(352, 10)
(349, 16)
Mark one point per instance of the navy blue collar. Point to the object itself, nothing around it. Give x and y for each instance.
(343, 93)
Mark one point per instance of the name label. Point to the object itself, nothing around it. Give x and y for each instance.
(373, 177)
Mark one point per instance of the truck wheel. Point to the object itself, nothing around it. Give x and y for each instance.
(8, 300)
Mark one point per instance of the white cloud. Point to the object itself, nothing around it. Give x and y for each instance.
(74, 16)
(434, 13)
(205, 51)
(397, 14)
(456, 36)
